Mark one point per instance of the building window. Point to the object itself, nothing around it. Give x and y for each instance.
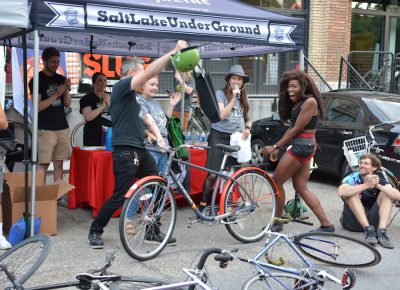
(278, 4)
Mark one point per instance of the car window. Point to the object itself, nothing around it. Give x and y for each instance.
(385, 110)
(343, 110)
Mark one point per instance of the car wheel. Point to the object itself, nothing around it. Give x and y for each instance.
(256, 146)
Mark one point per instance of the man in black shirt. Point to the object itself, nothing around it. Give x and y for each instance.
(53, 145)
(130, 158)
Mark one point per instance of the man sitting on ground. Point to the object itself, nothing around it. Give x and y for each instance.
(368, 200)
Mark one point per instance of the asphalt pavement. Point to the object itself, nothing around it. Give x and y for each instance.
(71, 254)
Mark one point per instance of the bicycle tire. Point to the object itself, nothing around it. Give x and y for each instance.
(339, 250)
(24, 259)
(289, 281)
(138, 219)
(73, 134)
(251, 201)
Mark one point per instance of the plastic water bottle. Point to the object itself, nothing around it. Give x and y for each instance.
(195, 138)
(108, 138)
(103, 135)
(203, 139)
(188, 138)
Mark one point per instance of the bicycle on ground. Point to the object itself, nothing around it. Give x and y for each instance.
(246, 207)
(273, 271)
(19, 263)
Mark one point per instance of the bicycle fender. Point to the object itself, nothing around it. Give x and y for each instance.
(228, 183)
(140, 182)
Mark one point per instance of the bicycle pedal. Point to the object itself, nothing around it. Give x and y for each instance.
(190, 222)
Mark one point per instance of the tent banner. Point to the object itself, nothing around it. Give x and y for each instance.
(18, 73)
(67, 15)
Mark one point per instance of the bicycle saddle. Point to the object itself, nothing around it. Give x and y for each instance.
(228, 148)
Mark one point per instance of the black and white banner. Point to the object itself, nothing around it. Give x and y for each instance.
(138, 19)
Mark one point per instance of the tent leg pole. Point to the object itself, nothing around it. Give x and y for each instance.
(35, 106)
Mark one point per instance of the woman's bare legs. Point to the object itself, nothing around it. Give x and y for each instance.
(300, 179)
(286, 168)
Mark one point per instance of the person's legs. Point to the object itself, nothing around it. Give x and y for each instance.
(286, 168)
(385, 210)
(124, 173)
(47, 142)
(357, 217)
(58, 170)
(300, 179)
(4, 244)
(60, 153)
(357, 208)
(153, 233)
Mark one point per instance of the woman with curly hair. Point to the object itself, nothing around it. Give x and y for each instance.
(299, 103)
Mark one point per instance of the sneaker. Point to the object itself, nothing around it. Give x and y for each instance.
(370, 236)
(383, 239)
(95, 240)
(4, 244)
(324, 229)
(154, 236)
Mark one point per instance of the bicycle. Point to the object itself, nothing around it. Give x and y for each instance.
(19, 263)
(380, 79)
(247, 204)
(76, 139)
(331, 248)
(12, 143)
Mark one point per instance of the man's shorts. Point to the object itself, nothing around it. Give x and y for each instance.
(350, 222)
(53, 145)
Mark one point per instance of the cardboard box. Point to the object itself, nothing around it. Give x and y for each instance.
(13, 200)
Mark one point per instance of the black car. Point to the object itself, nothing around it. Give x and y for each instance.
(348, 114)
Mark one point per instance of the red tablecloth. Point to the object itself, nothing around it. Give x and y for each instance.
(91, 172)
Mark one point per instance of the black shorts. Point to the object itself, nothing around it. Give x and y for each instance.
(214, 155)
(350, 222)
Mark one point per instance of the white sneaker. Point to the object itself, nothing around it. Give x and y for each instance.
(4, 244)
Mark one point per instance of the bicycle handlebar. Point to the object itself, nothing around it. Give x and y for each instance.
(171, 150)
(223, 257)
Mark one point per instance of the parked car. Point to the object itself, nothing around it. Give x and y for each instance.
(348, 114)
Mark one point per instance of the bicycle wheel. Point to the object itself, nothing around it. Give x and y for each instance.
(251, 201)
(337, 250)
(143, 215)
(24, 259)
(76, 139)
(277, 281)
